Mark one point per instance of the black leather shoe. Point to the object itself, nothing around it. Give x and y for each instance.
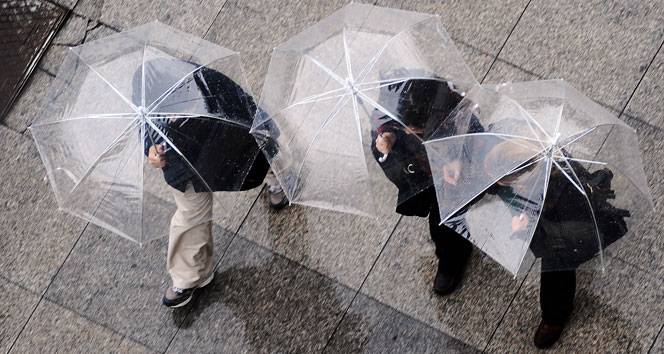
(447, 280)
(547, 335)
(277, 197)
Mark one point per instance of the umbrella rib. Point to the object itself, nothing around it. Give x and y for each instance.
(531, 127)
(145, 45)
(370, 64)
(175, 148)
(499, 135)
(318, 97)
(482, 190)
(106, 82)
(571, 180)
(347, 54)
(100, 116)
(547, 176)
(383, 83)
(159, 115)
(313, 140)
(580, 135)
(359, 134)
(309, 100)
(170, 90)
(592, 212)
(324, 98)
(583, 160)
(324, 94)
(387, 112)
(326, 70)
(131, 126)
(584, 133)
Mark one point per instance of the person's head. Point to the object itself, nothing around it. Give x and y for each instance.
(506, 154)
(417, 101)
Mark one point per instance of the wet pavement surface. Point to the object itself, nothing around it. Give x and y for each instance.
(26, 29)
(286, 282)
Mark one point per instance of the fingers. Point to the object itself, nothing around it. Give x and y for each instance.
(157, 161)
(383, 144)
(156, 156)
(519, 222)
(451, 175)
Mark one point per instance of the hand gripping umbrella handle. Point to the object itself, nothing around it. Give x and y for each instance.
(382, 158)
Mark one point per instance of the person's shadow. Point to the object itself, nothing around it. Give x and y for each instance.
(282, 305)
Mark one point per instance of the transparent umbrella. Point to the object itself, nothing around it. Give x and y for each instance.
(150, 87)
(333, 89)
(548, 174)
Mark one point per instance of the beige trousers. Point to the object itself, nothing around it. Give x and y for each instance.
(190, 244)
(271, 179)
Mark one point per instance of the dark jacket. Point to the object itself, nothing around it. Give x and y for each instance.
(223, 154)
(566, 236)
(421, 103)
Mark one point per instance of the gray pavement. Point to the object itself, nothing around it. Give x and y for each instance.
(284, 281)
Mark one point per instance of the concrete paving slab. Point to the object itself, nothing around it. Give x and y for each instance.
(619, 311)
(193, 17)
(646, 105)
(472, 24)
(116, 283)
(600, 47)
(645, 113)
(28, 106)
(71, 34)
(36, 235)
(54, 329)
(18, 304)
(339, 245)
(65, 3)
(385, 330)
(269, 25)
(403, 278)
(503, 71)
(658, 346)
(261, 303)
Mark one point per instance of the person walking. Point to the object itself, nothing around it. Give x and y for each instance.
(421, 105)
(211, 157)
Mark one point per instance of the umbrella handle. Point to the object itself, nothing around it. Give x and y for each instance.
(382, 158)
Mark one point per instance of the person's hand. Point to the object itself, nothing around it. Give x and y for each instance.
(384, 142)
(519, 222)
(451, 172)
(157, 156)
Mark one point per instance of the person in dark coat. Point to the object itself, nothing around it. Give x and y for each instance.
(567, 233)
(421, 105)
(208, 151)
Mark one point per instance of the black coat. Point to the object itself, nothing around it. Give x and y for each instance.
(224, 155)
(566, 235)
(421, 103)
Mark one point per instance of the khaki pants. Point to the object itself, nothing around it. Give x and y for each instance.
(271, 180)
(190, 243)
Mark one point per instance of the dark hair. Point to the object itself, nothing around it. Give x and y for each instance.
(421, 99)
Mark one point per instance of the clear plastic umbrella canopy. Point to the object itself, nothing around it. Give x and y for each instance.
(536, 170)
(332, 89)
(116, 97)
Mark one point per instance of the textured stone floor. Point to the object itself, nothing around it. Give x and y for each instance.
(284, 283)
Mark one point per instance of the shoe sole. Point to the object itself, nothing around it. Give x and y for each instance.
(207, 281)
(182, 303)
(202, 285)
